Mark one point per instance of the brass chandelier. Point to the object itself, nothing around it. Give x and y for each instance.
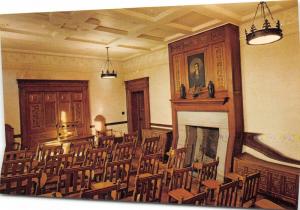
(267, 34)
(106, 73)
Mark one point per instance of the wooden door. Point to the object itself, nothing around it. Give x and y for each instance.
(138, 112)
(138, 104)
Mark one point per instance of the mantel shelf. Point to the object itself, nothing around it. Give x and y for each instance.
(212, 101)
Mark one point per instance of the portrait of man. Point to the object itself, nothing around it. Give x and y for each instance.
(196, 71)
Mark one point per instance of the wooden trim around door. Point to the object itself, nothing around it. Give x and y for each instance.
(135, 85)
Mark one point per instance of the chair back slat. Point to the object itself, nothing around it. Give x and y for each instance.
(250, 188)
(118, 170)
(227, 194)
(43, 151)
(148, 189)
(177, 158)
(96, 157)
(106, 141)
(106, 193)
(16, 167)
(149, 164)
(181, 178)
(53, 164)
(73, 180)
(151, 146)
(19, 184)
(80, 150)
(130, 137)
(208, 171)
(123, 151)
(21, 154)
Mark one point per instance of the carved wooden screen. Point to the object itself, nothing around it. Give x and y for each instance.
(45, 103)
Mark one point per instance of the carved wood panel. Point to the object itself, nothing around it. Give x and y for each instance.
(178, 62)
(50, 110)
(77, 112)
(290, 187)
(36, 116)
(218, 55)
(65, 107)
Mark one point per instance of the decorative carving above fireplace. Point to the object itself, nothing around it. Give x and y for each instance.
(219, 50)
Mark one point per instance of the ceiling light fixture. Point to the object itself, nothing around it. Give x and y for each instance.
(267, 34)
(106, 73)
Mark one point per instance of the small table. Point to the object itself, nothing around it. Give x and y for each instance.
(211, 185)
(52, 195)
(234, 176)
(144, 175)
(198, 165)
(180, 194)
(101, 185)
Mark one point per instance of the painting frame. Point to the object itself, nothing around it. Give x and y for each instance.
(196, 60)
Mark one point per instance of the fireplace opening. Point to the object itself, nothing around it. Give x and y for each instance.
(201, 143)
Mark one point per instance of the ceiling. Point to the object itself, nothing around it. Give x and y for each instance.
(128, 32)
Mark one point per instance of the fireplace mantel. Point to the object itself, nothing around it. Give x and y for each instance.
(208, 101)
(221, 49)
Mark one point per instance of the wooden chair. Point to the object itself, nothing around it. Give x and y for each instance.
(227, 194)
(21, 154)
(151, 146)
(250, 189)
(130, 137)
(148, 189)
(105, 193)
(44, 151)
(207, 177)
(53, 166)
(72, 181)
(105, 132)
(19, 185)
(249, 194)
(106, 141)
(116, 171)
(80, 151)
(10, 136)
(176, 160)
(123, 151)
(181, 184)
(16, 167)
(149, 164)
(97, 158)
(198, 199)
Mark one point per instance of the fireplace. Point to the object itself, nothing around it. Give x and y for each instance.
(225, 110)
(194, 126)
(201, 143)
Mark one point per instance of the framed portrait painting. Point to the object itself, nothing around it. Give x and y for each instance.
(196, 67)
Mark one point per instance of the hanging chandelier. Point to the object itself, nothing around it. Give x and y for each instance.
(106, 73)
(267, 34)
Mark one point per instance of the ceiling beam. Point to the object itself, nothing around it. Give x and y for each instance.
(134, 47)
(85, 41)
(111, 30)
(214, 11)
(207, 25)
